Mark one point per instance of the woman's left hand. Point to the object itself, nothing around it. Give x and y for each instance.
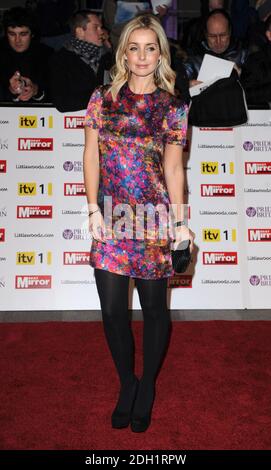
(184, 233)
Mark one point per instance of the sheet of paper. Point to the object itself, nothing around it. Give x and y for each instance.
(156, 3)
(214, 67)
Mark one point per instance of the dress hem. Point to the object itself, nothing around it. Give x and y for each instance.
(132, 276)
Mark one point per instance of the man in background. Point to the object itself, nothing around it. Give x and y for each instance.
(193, 33)
(23, 60)
(218, 42)
(79, 66)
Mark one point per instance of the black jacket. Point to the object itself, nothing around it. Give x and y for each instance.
(72, 81)
(256, 77)
(32, 64)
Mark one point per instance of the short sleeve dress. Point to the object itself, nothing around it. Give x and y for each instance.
(133, 132)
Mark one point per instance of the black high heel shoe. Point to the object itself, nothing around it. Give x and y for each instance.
(120, 419)
(141, 423)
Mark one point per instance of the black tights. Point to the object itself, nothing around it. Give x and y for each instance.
(113, 291)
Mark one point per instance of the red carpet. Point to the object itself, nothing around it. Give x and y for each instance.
(58, 388)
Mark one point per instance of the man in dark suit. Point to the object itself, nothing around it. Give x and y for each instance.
(79, 66)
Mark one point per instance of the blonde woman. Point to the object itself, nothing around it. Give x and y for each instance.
(134, 134)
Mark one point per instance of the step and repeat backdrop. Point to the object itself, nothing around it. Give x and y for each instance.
(44, 237)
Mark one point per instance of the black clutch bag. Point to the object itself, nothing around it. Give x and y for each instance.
(181, 257)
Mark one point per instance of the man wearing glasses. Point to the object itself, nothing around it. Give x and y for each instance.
(218, 42)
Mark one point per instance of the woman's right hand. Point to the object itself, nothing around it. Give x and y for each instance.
(97, 226)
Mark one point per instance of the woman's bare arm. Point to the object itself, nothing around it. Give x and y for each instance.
(174, 177)
(91, 168)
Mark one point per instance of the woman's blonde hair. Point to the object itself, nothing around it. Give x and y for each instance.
(164, 76)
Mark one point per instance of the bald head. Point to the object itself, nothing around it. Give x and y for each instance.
(218, 33)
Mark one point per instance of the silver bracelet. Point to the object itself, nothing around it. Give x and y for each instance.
(93, 212)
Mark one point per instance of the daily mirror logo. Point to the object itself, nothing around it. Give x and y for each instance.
(74, 189)
(258, 168)
(33, 282)
(216, 129)
(75, 258)
(181, 281)
(74, 122)
(220, 257)
(34, 212)
(3, 166)
(217, 190)
(259, 235)
(2, 235)
(36, 144)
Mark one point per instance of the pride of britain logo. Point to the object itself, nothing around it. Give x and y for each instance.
(251, 211)
(248, 146)
(257, 145)
(67, 234)
(73, 166)
(259, 211)
(263, 280)
(254, 280)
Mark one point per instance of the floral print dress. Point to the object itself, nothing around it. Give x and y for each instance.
(133, 132)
